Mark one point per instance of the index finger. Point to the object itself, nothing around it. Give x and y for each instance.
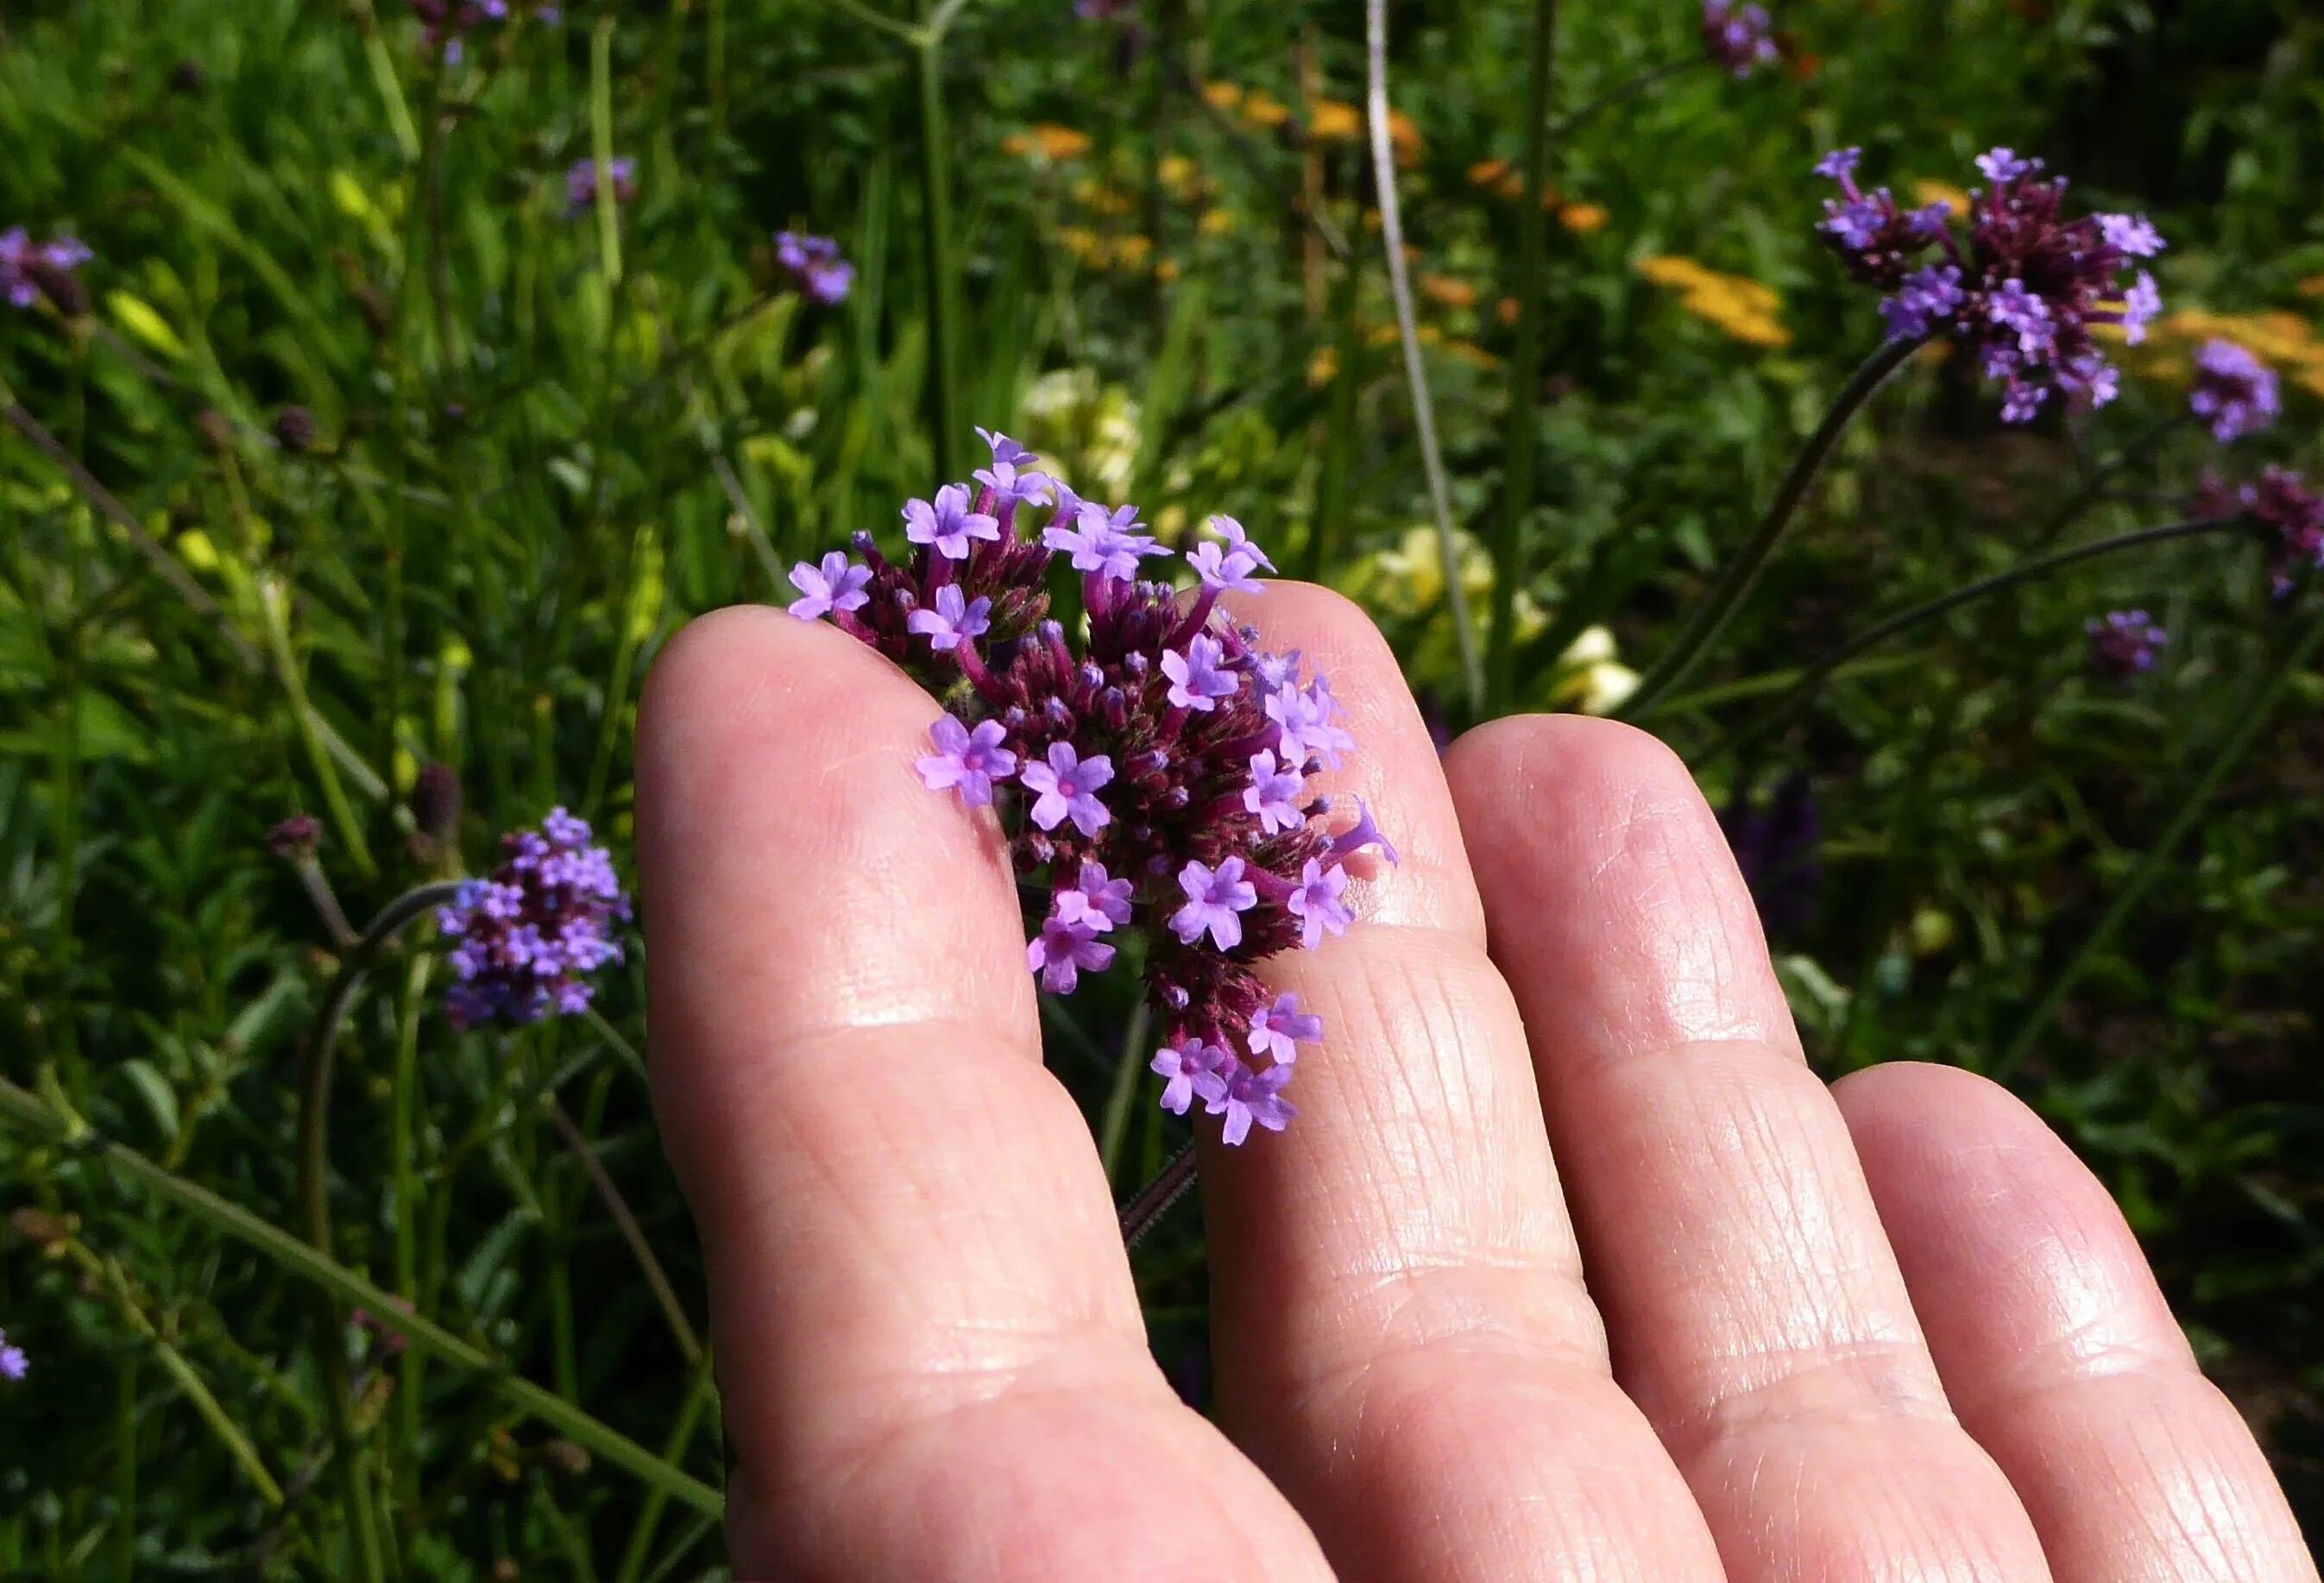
(931, 1355)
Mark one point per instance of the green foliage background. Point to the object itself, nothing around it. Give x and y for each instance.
(533, 466)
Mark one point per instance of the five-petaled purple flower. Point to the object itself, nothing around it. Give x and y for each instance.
(954, 620)
(1067, 785)
(815, 267)
(948, 525)
(838, 584)
(1159, 760)
(528, 936)
(1217, 898)
(1191, 1069)
(581, 183)
(2023, 288)
(2123, 642)
(1740, 38)
(2235, 393)
(967, 761)
(1278, 1028)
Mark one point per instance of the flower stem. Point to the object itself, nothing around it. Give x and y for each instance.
(1710, 617)
(1525, 368)
(273, 599)
(404, 1206)
(20, 1108)
(601, 145)
(1416, 375)
(1620, 91)
(2258, 705)
(701, 1397)
(1156, 1198)
(689, 1346)
(935, 223)
(1819, 671)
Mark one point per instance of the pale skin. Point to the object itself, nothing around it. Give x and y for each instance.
(1569, 1268)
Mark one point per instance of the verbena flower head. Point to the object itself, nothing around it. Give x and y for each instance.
(13, 1364)
(29, 270)
(1740, 38)
(2235, 393)
(2023, 286)
(1150, 770)
(2286, 514)
(528, 936)
(581, 183)
(2123, 642)
(815, 267)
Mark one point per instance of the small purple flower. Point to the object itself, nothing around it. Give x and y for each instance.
(1839, 164)
(1362, 834)
(1316, 903)
(1740, 39)
(581, 183)
(1094, 900)
(1216, 900)
(1227, 569)
(1199, 677)
(2140, 305)
(2015, 307)
(1062, 952)
(2235, 393)
(953, 621)
(2291, 517)
(1237, 542)
(1006, 452)
(1274, 794)
(1068, 785)
(15, 1365)
(1929, 294)
(965, 760)
(24, 264)
(838, 584)
(1276, 1029)
(1013, 485)
(1303, 724)
(2002, 164)
(1251, 1096)
(1107, 544)
(2132, 235)
(949, 526)
(2123, 642)
(1192, 1068)
(526, 937)
(815, 265)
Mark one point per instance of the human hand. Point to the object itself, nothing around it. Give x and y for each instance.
(1890, 1329)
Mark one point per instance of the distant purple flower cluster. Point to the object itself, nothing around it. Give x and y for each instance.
(13, 1364)
(1778, 847)
(1740, 38)
(2288, 514)
(528, 936)
(446, 22)
(1159, 776)
(2123, 642)
(28, 269)
(581, 183)
(2023, 288)
(2235, 393)
(815, 267)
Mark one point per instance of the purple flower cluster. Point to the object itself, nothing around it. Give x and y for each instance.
(2235, 393)
(13, 1364)
(2024, 287)
(815, 267)
(29, 270)
(527, 935)
(2123, 642)
(1158, 776)
(445, 23)
(1740, 38)
(581, 184)
(2286, 513)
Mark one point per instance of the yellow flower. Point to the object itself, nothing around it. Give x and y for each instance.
(1215, 222)
(1223, 96)
(1955, 200)
(1133, 251)
(1333, 121)
(1448, 290)
(1743, 309)
(1177, 175)
(1404, 135)
(1054, 143)
(1470, 352)
(1262, 111)
(1489, 174)
(1080, 241)
(1667, 271)
(1322, 367)
(1589, 677)
(1166, 269)
(2285, 339)
(1582, 217)
(1017, 146)
(2313, 286)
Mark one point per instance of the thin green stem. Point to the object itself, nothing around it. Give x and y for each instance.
(404, 1207)
(1115, 1125)
(1573, 120)
(1156, 1199)
(700, 1397)
(273, 601)
(1525, 368)
(1416, 374)
(30, 1113)
(124, 1470)
(608, 1193)
(600, 145)
(2258, 705)
(935, 219)
(1710, 617)
(1819, 671)
(384, 77)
